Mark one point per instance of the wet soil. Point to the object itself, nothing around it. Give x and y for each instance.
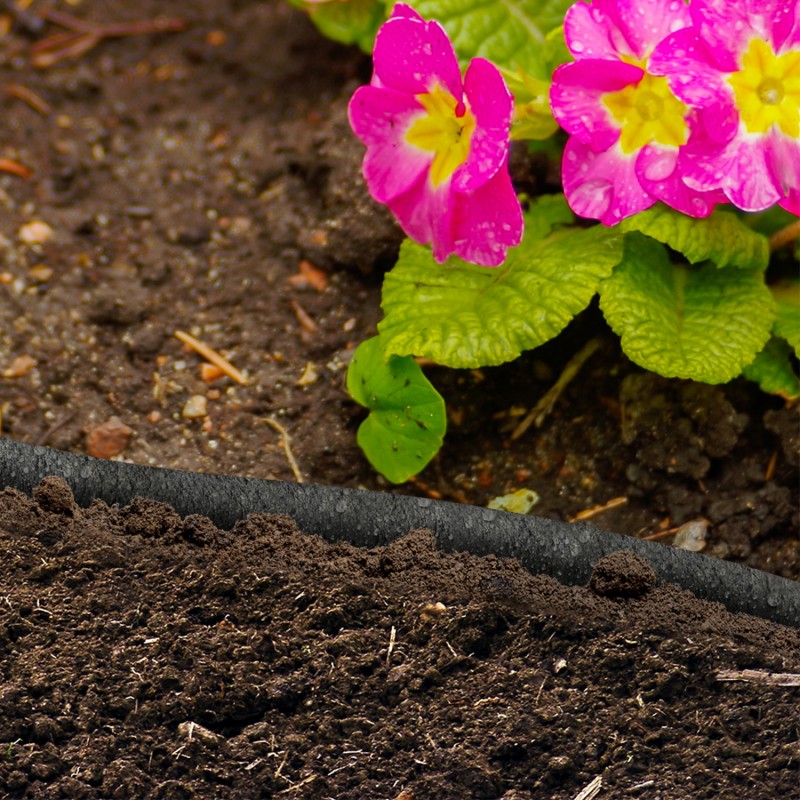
(205, 181)
(148, 656)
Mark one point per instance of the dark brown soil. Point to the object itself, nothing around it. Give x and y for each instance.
(146, 656)
(185, 177)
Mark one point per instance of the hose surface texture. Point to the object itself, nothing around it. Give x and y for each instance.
(567, 552)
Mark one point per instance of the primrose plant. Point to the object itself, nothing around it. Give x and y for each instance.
(682, 123)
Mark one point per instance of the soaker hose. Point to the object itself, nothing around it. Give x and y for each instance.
(567, 552)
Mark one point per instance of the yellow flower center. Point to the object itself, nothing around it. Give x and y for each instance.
(445, 130)
(648, 112)
(767, 89)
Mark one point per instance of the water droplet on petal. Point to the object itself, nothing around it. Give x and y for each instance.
(661, 166)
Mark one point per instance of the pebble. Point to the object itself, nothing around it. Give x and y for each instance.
(196, 406)
(41, 273)
(108, 439)
(35, 232)
(19, 367)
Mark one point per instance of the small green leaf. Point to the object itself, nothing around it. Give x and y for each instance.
(462, 315)
(684, 322)
(510, 33)
(407, 419)
(787, 324)
(772, 370)
(351, 22)
(533, 118)
(722, 238)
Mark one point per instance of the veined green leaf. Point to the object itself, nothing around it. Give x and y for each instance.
(787, 323)
(510, 33)
(407, 420)
(722, 238)
(772, 370)
(462, 315)
(682, 322)
(351, 22)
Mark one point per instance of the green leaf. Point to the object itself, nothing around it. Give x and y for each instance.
(462, 315)
(772, 370)
(510, 33)
(722, 238)
(787, 323)
(533, 118)
(407, 419)
(684, 322)
(351, 22)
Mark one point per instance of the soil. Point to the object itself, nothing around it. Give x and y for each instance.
(205, 180)
(185, 178)
(148, 656)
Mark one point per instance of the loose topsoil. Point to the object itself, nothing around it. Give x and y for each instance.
(205, 180)
(148, 656)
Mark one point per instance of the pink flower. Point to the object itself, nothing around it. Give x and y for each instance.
(739, 66)
(626, 126)
(437, 144)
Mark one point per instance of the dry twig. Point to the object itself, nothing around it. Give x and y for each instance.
(784, 236)
(82, 35)
(211, 355)
(275, 425)
(28, 96)
(590, 790)
(539, 412)
(588, 513)
(15, 168)
(760, 676)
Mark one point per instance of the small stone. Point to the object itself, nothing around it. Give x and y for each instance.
(108, 439)
(195, 407)
(210, 372)
(432, 611)
(35, 232)
(19, 367)
(692, 535)
(41, 273)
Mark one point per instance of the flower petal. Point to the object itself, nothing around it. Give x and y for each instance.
(742, 169)
(691, 69)
(784, 159)
(406, 11)
(412, 56)
(603, 185)
(488, 221)
(491, 104)
(380, 118)
(657, 169)
(791, 202)
(576, 94)
(591, 32)
(644, 23)
(425, 213)
(729, 25)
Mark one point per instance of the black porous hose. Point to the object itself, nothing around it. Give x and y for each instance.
(566, 552)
